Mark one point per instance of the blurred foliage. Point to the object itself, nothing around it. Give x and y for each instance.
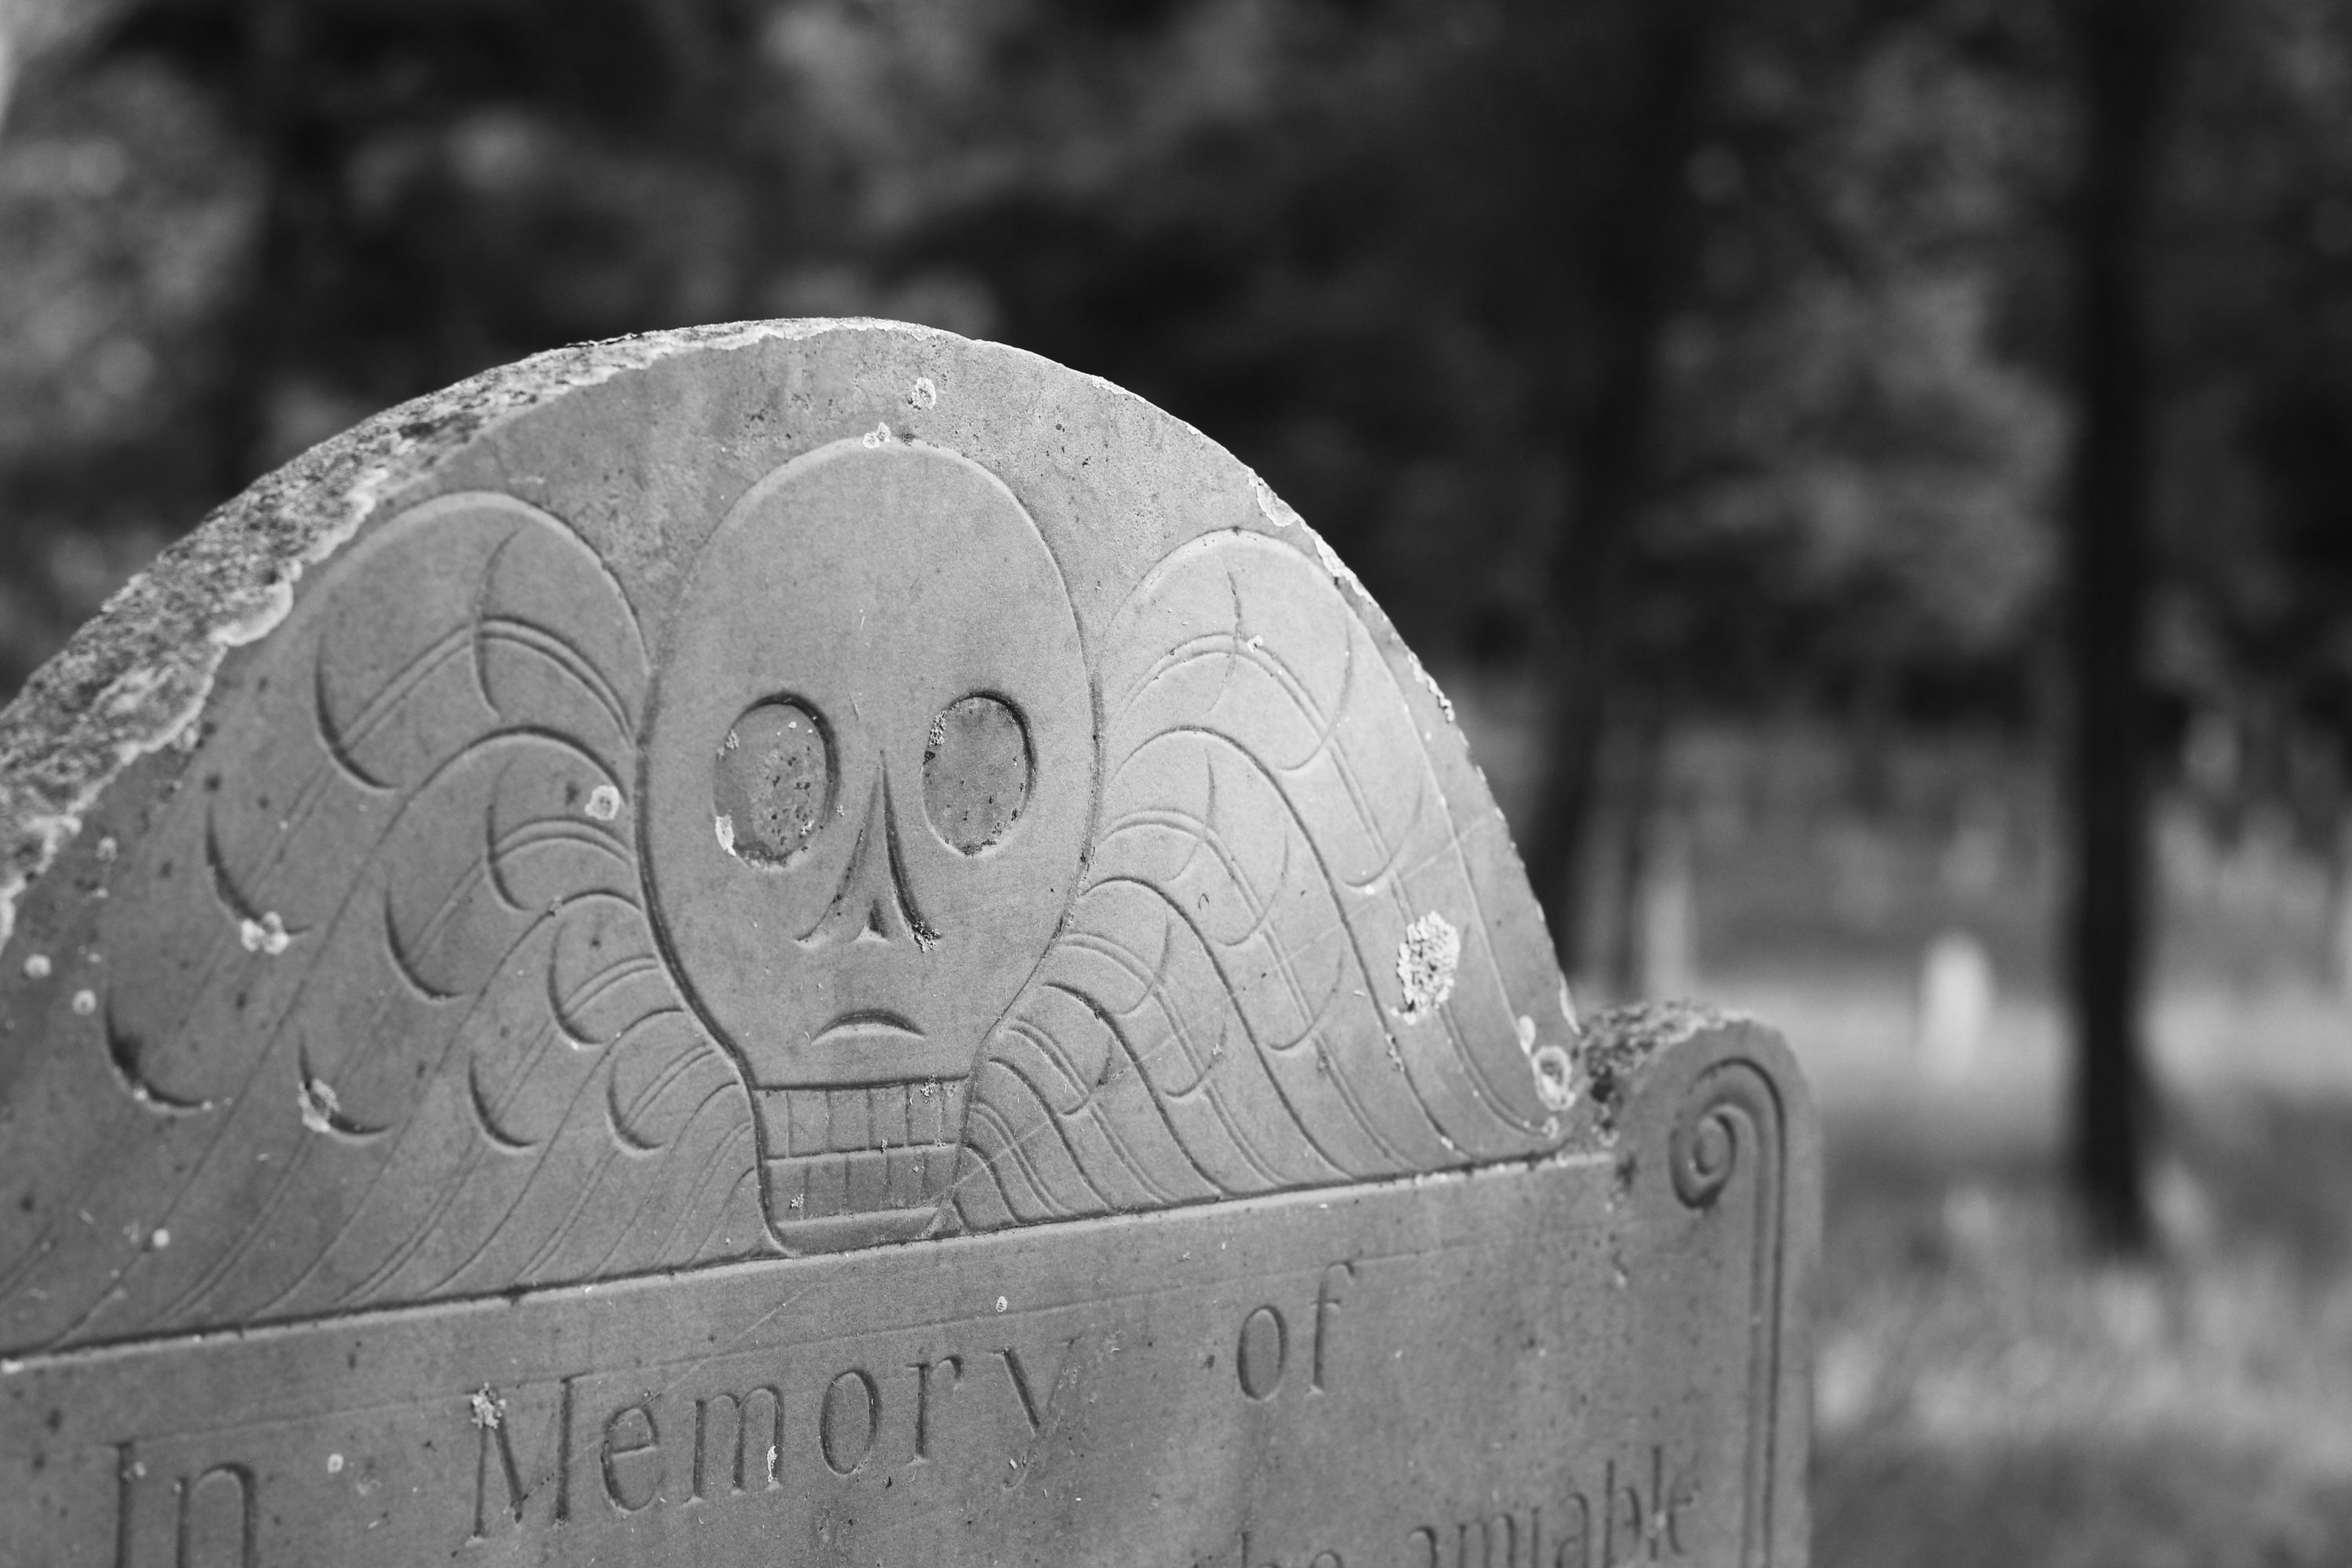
(1372, 246)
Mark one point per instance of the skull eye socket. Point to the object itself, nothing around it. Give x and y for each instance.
(774, 786)
(976, 772)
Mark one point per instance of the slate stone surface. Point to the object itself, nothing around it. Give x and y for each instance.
(814, 941)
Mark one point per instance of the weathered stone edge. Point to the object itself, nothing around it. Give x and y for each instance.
(1618, 1045)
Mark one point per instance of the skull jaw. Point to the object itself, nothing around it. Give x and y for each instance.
(850, 1167)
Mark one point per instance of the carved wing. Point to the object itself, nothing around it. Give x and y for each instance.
(1277, 974)
(396, 1008)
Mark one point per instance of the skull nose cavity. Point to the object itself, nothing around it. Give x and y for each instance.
(773, 785)
(976, 771)
(874, 903)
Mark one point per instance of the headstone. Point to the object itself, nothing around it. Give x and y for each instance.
(1956, 1004)
(816, 943)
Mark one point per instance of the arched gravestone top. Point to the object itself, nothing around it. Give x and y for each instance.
(689, 803)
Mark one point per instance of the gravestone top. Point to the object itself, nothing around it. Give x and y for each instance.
(737, 883)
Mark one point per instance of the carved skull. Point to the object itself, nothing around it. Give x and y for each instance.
(870, 778)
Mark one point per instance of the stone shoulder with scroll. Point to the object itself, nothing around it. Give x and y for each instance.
(728, 795)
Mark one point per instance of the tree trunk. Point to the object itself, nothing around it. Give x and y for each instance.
(1643, 241)
(1638, 780)
(2123, 53)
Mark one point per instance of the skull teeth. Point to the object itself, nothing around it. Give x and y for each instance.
(804, 1122)
(859, 1150)
(870, 1181)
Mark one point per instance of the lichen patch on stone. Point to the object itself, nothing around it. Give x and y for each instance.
(130, 691)
(1555, 1074)
(1553, 1067)
(276, 604)
(267, 935)
(316, 1100)
(1427, 960)
(1272, 507)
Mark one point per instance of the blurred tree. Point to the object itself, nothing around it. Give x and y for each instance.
(2125, 53)
(446, 186)
(30, 29)
(126, 208)
(2255, 478)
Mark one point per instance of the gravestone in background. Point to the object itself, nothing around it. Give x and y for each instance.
(819, 943)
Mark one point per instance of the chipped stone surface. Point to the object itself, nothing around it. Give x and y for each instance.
(1437, 693)
(1272, 507)
(1617, 1044)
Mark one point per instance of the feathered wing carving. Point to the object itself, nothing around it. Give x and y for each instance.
(1277, 974)
(388, 1021)
(398, 998)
